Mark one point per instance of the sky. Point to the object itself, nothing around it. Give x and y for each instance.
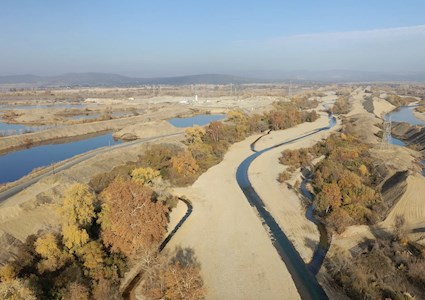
(170, 38)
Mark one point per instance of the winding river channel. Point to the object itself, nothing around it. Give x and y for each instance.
(302, 274)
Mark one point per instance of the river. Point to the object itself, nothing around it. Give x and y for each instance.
(302, 274)
(17, 164)
(404, 114)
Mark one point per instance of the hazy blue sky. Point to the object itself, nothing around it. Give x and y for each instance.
(156, 38)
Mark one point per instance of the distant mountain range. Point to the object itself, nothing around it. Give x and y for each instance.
(104, 79)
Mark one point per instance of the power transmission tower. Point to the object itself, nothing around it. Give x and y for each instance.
(290, 89)
(386, 137)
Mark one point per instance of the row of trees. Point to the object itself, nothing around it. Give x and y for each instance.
(344, 182)
(99, 236)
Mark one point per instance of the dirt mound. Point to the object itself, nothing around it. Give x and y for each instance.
(146, 130)
(412, 135)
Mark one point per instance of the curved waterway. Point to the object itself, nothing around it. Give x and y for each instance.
(303, 276)
(17, 164)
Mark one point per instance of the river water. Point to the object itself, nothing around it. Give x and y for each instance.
(199, 120)
(404, 114)
(18, 164)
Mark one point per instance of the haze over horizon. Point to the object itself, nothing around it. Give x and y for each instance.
(152, 39)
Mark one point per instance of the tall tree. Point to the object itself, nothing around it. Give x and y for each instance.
(130, 218)
(78, 213)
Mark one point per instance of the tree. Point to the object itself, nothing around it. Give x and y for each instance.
(183, 168)
(76, 291)
(145, 175)
(172, 277)
(16, 289)
(92, 255)
(214, 132)
(130, 218)
(7, 273)
(194, 135)
(78, 213)
(53, 257)
(329, 197)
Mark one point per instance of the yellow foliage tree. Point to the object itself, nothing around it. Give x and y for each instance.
(92, 255)
(15, 289)
(145, 175)
(74, 237)
(363, 170)
(78, 205)
(237, 116)
(78, 212)
(53, 257)
(7, 273)
(193, 135)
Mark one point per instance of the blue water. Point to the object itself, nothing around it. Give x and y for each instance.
(394, 141)
(7, 129)
(405, 114)
(200, 120)
(17, 164)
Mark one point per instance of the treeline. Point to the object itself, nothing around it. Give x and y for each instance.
(122, 216)
(398, 101)
(205, 146)
(344, 181)
(100, 234)
(341, 106)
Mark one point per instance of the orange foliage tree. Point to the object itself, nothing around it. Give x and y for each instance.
(130, 217)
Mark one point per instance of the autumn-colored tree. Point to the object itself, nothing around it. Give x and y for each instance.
(175, 277)
(145, 175)
(7, 273)
(203, 154)
(338, 220)
(16, 289)
(329, 197)
(236, 116)
(103, 290)
(130, 218)
(214, 132)
(92, 255)
(183, 168)
(53, 257)
(78, 212)
(76, 291)
(194, 135)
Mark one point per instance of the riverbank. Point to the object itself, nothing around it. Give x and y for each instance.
(34, 209)
(226, 233)
(76, 131)
(282, 202)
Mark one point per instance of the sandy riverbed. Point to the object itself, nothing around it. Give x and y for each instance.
(237, 258)
(284, 204)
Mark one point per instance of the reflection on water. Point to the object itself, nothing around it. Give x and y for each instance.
(405, 114)
(200, 120)
(7, 129)
(17, 164)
